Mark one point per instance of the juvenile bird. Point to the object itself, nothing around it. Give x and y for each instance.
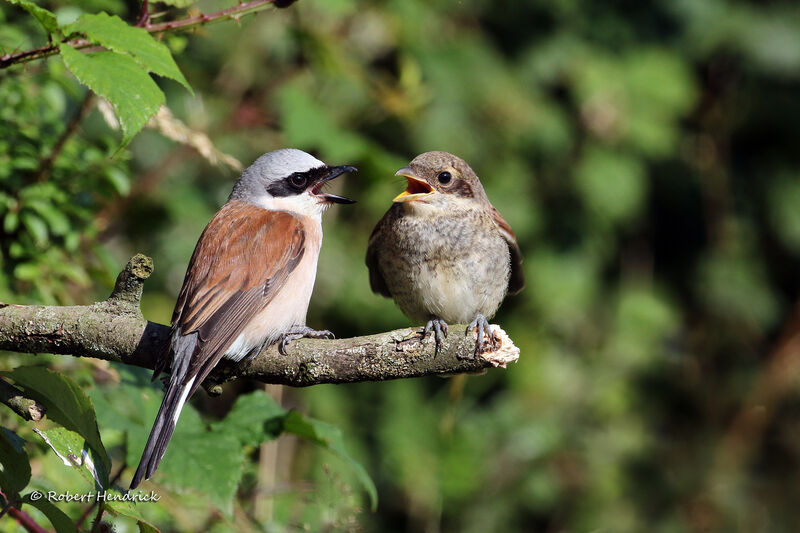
(249, 280)
(442, 251)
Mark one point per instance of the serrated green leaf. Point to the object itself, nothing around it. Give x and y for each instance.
(75, 452)
(120, 80)
(16, 471)
(46, 18)
(112, 406)
(117, 504)
(255, 418)
(61, 522)
(208, 462)
(35, 226)
(113, 33)
(330, 437)
(66, 404)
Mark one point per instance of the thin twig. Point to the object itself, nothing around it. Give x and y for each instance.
(231, 13)
(88, 510)
(144, 16)
(23, 519)
(47, 164)
(15, 399)
(98, 517)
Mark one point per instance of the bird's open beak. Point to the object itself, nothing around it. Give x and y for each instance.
(333, 172)
(417, 187)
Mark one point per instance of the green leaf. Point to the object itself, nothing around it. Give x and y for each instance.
(61, 522)
(113, 33)
(75, 452)
(207, 462)
(36, 227)
(11, 221)
(119, 180)
(56, 219)
(329, 437)
(26, 271)
(66, 404)
(16, 471)
(117, 504)
(46, 18)
(178, 3)
(120, 80)
(612, 184)
(255, 418)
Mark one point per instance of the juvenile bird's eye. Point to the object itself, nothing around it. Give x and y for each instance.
(298, 181)
(444, 177)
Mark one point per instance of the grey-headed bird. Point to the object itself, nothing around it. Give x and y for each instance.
(249, 280)
(442, 251)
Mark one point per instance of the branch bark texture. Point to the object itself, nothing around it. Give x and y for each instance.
(115, 330)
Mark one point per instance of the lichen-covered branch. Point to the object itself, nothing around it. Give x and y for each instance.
(15, 399)
(115, 330)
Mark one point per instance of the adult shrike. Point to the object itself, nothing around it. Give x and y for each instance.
(249, 281)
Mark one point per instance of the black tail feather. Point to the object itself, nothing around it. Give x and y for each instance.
(160, 435)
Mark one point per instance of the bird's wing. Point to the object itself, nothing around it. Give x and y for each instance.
(517, 280)
(241, 261)
(376, 281)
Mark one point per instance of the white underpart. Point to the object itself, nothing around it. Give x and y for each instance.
(448, 294)
(238, 349)
(303, 204)
(289, 305)
(182, 399)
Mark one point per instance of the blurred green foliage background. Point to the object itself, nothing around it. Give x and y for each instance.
(646, 155)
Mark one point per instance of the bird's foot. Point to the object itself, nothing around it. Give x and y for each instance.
(486, 335)
(439, 328)
(299, 332)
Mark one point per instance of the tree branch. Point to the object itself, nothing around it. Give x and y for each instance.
(231, 13)
(15, 399)
(115, 330)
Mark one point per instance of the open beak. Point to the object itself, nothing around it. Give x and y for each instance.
(417, 187)
(333, 172)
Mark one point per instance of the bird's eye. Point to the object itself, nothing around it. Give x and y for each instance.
(298, 181)
(444, 177)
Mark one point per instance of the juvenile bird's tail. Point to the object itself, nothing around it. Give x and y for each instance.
(175, 397)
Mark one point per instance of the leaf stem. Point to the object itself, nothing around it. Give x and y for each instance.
(231, 13)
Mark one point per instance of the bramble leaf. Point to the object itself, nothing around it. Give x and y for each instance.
(46, 18)
(120, 80)
(16, 471)
(75, 452)
(113, 33)
(329, 437)
(61, 522)
(66, 404)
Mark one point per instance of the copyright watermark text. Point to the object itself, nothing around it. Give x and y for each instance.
(97, 496)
